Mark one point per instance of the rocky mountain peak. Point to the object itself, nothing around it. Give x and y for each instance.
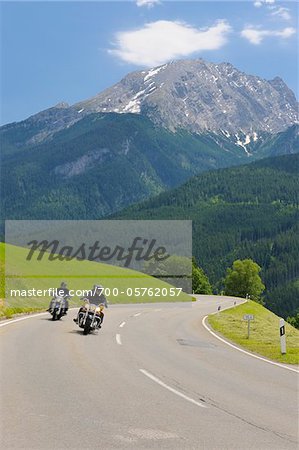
(195, 95)
(62, 105)
(201, 96)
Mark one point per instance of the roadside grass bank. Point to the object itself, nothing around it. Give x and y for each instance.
(264, 332)
(9, 312)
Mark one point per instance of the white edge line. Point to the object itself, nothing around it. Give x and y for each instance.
(174, 391)
(29, 316)
(244, 351)
(122, 324)
(118, 339)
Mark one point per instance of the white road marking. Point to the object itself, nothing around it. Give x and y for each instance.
(118, 339)
(244, 351)
(169, 388)
(158, 310)
(137, 314)
(22, 318)
(30, 316)
(122, 324)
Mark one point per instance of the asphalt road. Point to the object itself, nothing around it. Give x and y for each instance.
(152, 378)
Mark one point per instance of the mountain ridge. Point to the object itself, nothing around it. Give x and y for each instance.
(201, 96)
(195, 95)
(107, 161)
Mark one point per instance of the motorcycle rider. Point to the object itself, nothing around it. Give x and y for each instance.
(95, 297)
(64, 292)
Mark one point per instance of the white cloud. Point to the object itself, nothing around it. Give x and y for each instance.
(277, 11)
(259, 3)
(148, 3)
(282, 13)
(158, 42)
(256, 36)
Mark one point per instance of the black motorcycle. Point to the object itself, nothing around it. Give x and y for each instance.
(90, 317)
(58, 307)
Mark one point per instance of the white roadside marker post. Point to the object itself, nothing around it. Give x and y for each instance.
(248, 317)
(282, 332)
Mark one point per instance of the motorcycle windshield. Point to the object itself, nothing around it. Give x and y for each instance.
(92, 307)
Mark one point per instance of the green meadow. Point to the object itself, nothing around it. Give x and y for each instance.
(122, 285)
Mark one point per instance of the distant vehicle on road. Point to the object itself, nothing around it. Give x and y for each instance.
(58, 307)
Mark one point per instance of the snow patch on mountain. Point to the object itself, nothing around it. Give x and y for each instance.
(151, 73)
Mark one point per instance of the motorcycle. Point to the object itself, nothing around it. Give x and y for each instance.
(58, 308)
(90, 317)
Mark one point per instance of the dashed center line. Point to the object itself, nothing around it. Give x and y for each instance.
(137, 314)
(169, 388)
(118, 339)
(122, 324)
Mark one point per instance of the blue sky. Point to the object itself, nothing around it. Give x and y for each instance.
(69, 51)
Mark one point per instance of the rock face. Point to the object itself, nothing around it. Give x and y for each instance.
(82, 164)
(201, 96)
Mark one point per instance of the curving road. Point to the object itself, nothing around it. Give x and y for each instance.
(152, 378)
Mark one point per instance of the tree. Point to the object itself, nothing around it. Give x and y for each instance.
(294, 320)
(200, 282)
(175, 270)
(243, 280)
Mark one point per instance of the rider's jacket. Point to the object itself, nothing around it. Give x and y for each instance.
(63, 292)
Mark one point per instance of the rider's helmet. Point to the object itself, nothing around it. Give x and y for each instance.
(97, 287)
(63, 285)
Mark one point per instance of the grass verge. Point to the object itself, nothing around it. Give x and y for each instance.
(264, 331)
(9, 312)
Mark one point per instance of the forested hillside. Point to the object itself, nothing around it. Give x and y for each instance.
(105, 162)
(249, 211)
